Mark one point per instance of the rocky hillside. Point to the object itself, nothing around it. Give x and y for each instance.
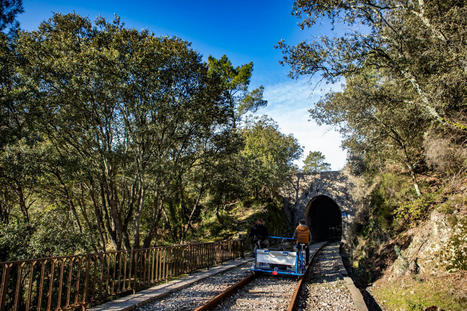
(413, 266)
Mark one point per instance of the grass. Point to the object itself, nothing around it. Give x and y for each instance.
(406, 293)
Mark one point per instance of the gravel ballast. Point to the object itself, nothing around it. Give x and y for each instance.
(264, 293)
(326, 288)
(199, 293)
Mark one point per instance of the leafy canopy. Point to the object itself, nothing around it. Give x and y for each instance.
(315, 163)
(419, 44)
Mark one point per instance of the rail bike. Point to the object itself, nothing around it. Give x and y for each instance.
(282, 257)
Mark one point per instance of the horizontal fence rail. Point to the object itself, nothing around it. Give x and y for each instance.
(77, 282)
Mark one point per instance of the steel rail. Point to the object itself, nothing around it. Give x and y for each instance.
(212, 303)
(226, 293)
(294, 299)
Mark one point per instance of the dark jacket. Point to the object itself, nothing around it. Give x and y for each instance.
(259, 232)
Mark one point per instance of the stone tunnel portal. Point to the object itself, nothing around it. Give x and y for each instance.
(324, 218)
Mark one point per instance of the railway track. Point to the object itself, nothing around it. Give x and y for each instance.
(261, 292)
(327, 286)
(322, 288)
(198, 294)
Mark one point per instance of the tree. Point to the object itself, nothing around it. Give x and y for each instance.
(14, 162)
(375, 123)
(418, 44)
(314, 163)
(235, 81)
(124, 115)
(269, 154)
(401, 71)
(9, 9)
(118, 137)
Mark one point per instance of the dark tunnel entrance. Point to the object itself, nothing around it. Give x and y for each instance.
(324, 217)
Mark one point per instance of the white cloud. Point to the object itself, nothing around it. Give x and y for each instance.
(288, 105)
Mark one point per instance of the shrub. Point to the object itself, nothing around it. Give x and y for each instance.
(444, 155)
(412, 211)
(357, 165)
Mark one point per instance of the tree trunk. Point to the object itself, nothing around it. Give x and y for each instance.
(136, 243)
(156, 214)
(22, 202)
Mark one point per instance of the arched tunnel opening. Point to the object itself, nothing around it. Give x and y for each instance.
(324, 218)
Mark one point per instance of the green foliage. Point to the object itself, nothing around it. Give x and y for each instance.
(390, 191)
(377, 225)
(377, 128)
(269, 154)
(410, 212)
(421, 61)
(9, 9)
(235, 81)
(132, 110)
(395, 207)
(14, 240)
(114, 138)
(391, 108)
(314, 163)
(49, 233)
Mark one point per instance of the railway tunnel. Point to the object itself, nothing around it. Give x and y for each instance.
(324, 218)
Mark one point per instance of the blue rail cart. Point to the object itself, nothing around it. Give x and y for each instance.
(282, 257)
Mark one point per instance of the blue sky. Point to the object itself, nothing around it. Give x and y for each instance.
(244, 31)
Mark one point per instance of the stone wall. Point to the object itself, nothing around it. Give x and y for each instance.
(337, 185)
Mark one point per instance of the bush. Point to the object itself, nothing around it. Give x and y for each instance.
(444, 155)
(14, 240)
(50, 233)
(412, 211)
(357, 165)
(56, 235)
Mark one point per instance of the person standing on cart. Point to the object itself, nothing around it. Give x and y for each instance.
(303, 235)
(259, 234)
